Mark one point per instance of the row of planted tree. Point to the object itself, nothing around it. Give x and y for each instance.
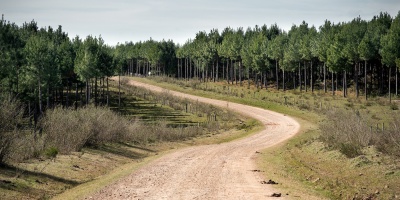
(44, 67)
(360, 53)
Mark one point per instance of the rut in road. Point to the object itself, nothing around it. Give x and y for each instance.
(221, 171)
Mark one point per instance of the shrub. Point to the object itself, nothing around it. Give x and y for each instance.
(388, 141)
(11, 120)
(350, 150)
(70, 130)
(349, 132)
(51, 152)
(394, 106)
(346, 131)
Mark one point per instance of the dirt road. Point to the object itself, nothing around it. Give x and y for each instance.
(223, 171)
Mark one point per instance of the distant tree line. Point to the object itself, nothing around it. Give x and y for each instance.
(360, 53)
(43, 67)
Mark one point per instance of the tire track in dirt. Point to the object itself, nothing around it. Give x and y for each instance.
(221, 171)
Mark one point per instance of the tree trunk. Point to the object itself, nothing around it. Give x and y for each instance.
(119, 91)
(344, 84)
(87, 92)
(186, 69)
(337, 82)
(137, 67)
(283, 80)
(256, 80)
(265, 79)
(227, 72)
(48, 96)
(95, 92)
(108, 93)
(40, 95)
(300, 84)
(324, 77)
(311, 77)
(76, 96)
(365, 80)
(356, 78)
(396, 81)
(277, 78)
(248, 77)
(390, 94)
(333, 87)
(216, 72)
(240, 73)
(67, 98)
(234, 77)
(223, 70)
(305, 76)
(190, 68)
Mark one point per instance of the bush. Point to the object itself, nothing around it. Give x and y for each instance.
(350, 150)
(349, 132)
(388, 141)
(394, 106)
(51, 152)
(11, 120)
(346, 131)
(70, 130)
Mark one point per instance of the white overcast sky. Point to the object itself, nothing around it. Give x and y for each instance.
(138, 20)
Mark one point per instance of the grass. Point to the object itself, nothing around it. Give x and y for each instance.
(304, 165)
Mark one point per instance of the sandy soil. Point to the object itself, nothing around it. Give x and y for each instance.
(224, 171)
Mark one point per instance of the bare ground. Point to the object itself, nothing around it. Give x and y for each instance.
(223, 171)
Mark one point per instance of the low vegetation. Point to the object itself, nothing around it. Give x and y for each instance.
(350, 131)
(11, 120)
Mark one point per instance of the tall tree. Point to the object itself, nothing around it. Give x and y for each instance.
(390, 46)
